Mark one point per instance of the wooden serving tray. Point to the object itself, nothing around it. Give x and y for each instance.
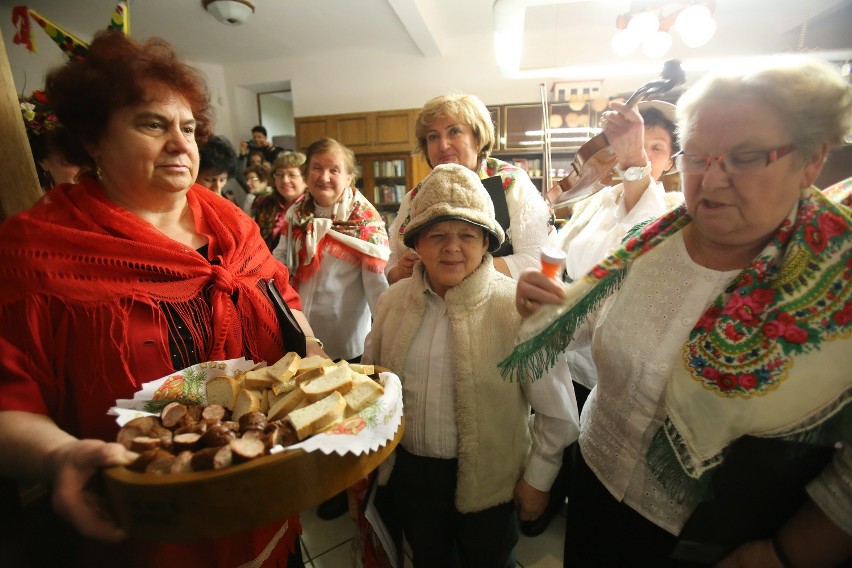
(203, 505)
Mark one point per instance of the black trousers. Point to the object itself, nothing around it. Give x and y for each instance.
(604, 532)
(422, 494)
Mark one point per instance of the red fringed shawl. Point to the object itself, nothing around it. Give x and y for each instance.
(76, 271)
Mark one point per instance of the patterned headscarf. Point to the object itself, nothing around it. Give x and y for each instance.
(355, 234)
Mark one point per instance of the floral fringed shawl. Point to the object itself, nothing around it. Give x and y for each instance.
(770, 357)
(840, 192)
(355, 234)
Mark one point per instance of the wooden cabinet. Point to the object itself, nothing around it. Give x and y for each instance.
(365, 132)
(385, 178)
(521, 136)
(311, 128)
(394, 131)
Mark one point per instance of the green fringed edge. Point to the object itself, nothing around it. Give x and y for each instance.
(686, 489)
(664, 465)
(532, 358)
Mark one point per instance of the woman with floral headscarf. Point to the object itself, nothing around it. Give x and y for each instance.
(722, 334)
(336, 247)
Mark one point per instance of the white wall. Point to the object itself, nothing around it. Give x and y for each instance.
(348, 81)
(354, 81)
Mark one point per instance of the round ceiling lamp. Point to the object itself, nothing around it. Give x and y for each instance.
(695, 25)
(657, 45)
(229, 12)
(624, 43)
(649, 22)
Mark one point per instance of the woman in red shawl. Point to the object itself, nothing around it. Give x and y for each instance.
(123, 278)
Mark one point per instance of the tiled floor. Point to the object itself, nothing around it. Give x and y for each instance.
(328, 544)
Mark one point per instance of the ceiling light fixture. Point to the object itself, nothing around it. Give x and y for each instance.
(648, 23)
(229, 12)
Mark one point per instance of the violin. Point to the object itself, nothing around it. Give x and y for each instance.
(593, 163)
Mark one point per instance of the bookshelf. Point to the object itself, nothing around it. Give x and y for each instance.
(385, 178)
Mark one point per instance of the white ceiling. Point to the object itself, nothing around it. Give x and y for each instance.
(575, 32)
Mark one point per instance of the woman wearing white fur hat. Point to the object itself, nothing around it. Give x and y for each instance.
(466, 468)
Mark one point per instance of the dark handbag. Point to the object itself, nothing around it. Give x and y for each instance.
(291, 331)
(494, 186)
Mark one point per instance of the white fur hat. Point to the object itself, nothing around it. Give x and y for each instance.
(453, 193)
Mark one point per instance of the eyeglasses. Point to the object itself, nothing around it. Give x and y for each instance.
(288, 175)
(733, 163)
(253, 179)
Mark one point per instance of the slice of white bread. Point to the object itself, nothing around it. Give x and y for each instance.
(247, 401)
(288, 402)
(222, 390)
(257, 380)
(333, 379)
(280, 389)
(309, 368)
(284, 369)
(273, 398)
(363, 369)
(312, 374)
(312, 362)
(314, 417)
(364, 392)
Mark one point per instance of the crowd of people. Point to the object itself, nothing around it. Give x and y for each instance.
(705, 333)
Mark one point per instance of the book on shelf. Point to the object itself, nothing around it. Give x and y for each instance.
(388, 193)
(389, 168)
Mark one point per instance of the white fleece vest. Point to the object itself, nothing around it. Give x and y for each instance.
(492, 414)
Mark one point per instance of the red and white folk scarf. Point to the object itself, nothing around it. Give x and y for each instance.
(355, 234)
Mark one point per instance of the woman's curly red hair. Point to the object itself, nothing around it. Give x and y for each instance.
(119, 72)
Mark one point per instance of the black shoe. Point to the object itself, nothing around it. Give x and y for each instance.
(539, 525)
(334, 507)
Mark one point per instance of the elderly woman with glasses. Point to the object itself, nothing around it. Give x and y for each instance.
(270, 209)
(719, 430)
(257, 183)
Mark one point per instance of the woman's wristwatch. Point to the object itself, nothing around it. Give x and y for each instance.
(315, 340)
(636, 173)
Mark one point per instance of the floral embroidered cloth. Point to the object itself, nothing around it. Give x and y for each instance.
(769, 357)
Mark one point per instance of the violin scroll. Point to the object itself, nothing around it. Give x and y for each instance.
(594, 161)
